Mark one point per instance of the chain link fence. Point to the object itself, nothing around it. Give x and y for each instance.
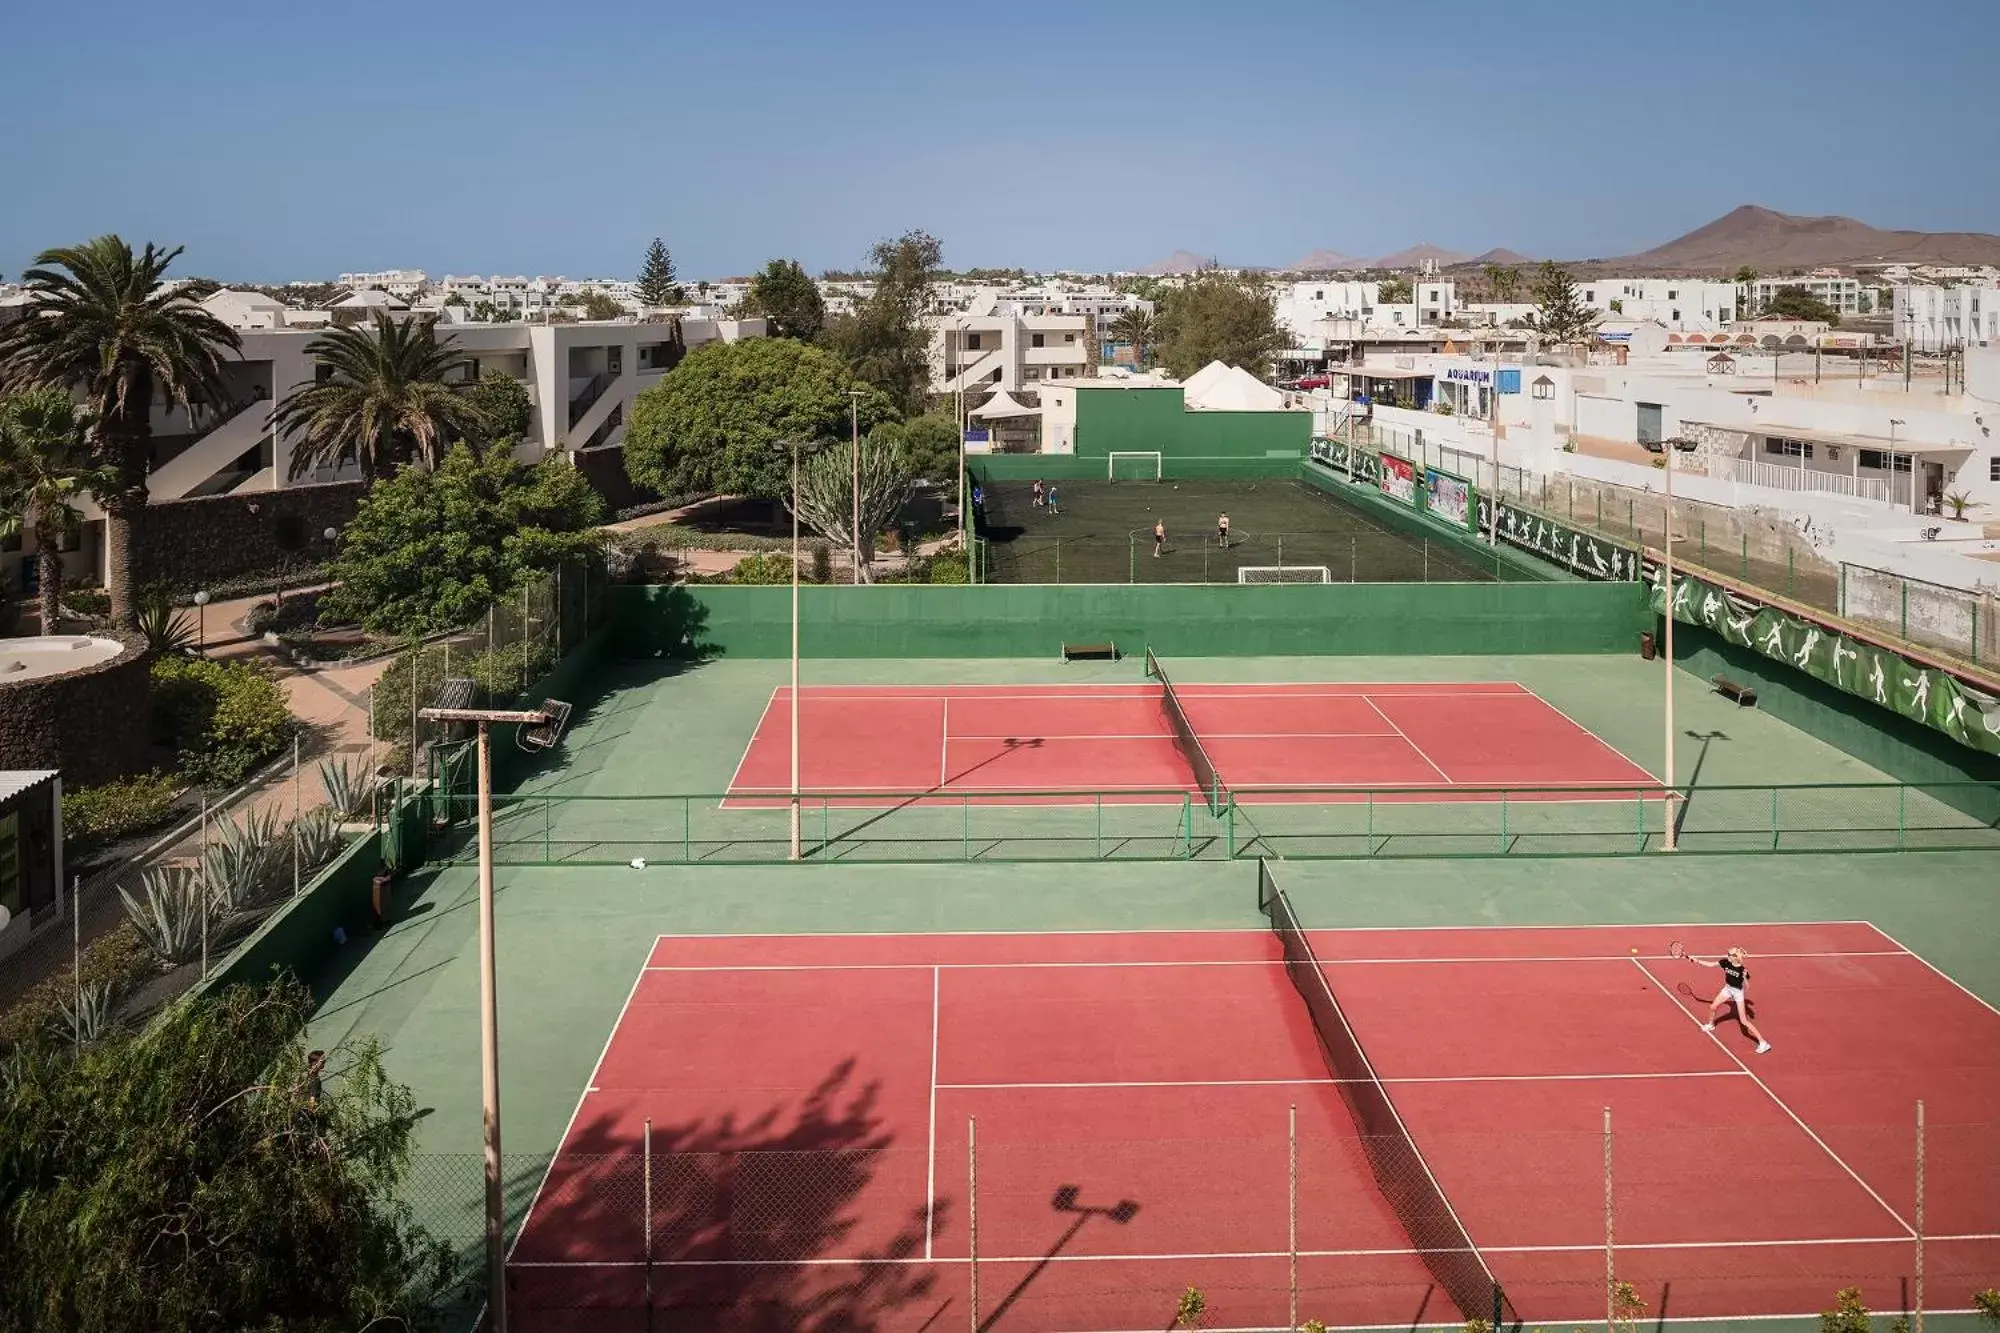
(1583, 1215)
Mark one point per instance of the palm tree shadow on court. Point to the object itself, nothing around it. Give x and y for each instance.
(745, 1215)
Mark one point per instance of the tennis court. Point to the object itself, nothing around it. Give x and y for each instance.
(1150, 743)
(1102, 532)
(1067, 1130)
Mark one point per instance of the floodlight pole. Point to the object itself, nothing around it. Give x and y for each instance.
(1667, 640)
(489, 1002)
(854, 449)
(795, 650)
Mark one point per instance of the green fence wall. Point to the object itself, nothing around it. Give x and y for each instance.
(1905, 750)
(1157, 421)
(298, 937)
(1508, 562)
(1033, 620)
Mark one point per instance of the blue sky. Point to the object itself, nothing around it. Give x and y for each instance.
(287, 140)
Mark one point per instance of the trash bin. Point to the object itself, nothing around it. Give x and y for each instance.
(378, 897)
(1646, 645)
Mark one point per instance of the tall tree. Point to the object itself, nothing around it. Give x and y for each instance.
(786, 296)
(929, 444)
(1504, 280)
(1395, 291)
(46, 468)
(658, 283)
(1137, 329)
(394, 396)
(104, 320)
(598, 305)
(716, 423)
(1560, 315)
(430, 550)
(1798, 303)
(504, 407)
(204, 1173)
(827, 496)
(1218, 316)
(886, 341)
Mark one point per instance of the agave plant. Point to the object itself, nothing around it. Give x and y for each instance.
(320, 838)
(167, 628)
(92, 1017)
(240, 866)
(350, 788)
(173, 917)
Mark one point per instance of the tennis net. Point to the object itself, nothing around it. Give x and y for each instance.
(1191, 746)
(1400, 1171)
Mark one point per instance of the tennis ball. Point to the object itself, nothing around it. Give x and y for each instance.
(1635, 948)
(639, 863)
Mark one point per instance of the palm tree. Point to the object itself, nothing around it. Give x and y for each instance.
(1138, 328)
(387, 402)
(1505, 281)
(105, 321)
(45, 468)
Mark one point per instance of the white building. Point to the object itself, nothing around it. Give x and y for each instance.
(987, 349)
(1842, 293)
(406, 283)
(1681, 304)
(1938, 317)
(581, 379)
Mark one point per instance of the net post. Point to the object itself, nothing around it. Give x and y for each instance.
(1292, 1218)
(1917, 1314)
(1610, 1253)
(972, 1216)
(646, 1227)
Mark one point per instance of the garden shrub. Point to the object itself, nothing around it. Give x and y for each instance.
(223, 719)
(95, 816)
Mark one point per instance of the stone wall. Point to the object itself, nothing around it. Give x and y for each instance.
(94, 724)
(192, 543)
(604, 469)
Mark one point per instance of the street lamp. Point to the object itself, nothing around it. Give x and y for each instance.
(793, 445)
(1893, 423)
(958, 414)
(489, 1009)
(1667, 639)
(201, 622)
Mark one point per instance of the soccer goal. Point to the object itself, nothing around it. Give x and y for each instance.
(1283, 574)
(1134, 466)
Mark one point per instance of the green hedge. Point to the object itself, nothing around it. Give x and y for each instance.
(223, 719)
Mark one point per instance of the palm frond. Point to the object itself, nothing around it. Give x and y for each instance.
(396, 394)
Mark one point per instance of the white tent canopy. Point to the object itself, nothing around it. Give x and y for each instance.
(1001, 406)
(1233, 390)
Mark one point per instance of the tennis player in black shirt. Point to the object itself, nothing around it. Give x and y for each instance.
(1735, 977)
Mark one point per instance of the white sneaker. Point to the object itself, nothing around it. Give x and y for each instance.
(1763, 1046)
(1708, 1027)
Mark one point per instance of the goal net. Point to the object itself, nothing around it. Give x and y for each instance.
(1134, 466)
(1283, 574)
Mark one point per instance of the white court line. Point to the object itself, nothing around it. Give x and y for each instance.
(1417, 749)
(1934, 967)
(1164, 735)
(1779, 1101)
(1037, 965)
(1246, 930)
(829, 1261)
(1588, 732)
(751, 744)
(1340, 1082)
(589, 1086)
(930, 1176)
(1213, 689)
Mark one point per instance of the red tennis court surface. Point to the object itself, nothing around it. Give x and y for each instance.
(811, 1102)
(1059, 744)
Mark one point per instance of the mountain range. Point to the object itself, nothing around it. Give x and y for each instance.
(1750, 236)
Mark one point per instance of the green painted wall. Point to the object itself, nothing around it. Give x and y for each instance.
(298, 938)
(1074, 467)
(1905, 750)
(1157, 421)
(1032, 620)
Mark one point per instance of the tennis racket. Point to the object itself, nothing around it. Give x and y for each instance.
(1677, 950)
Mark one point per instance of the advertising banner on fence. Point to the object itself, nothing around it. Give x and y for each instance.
(1448, 496)
(1399, 479)
(1935, 698)
(1584, 553)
